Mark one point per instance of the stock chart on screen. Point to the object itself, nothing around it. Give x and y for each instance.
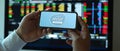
(93, 12)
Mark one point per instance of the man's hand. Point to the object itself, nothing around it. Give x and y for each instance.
(29, 29)
(80, 39)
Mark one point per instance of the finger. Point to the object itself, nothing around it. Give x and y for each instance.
(33, 15)
(69, 42)
(36, 17)
(29, 16)
(39, 31)
(66, 35)
(73, 34)
(44, 31)
(77, 32)
(83, 24)
(37, 14)
(49, 30)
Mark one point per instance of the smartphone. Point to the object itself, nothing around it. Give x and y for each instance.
(62, 20)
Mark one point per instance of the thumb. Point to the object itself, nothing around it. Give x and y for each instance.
(69, 42)
(73, 34)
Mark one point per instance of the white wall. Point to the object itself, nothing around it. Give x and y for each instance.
(2, 19)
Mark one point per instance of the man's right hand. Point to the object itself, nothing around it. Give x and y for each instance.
(80, 39)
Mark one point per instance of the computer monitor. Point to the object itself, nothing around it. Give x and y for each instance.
(97, 14)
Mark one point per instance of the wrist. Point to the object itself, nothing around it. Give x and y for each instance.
(19, 33)
(80, 46)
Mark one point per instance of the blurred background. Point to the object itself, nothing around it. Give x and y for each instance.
(12, 11)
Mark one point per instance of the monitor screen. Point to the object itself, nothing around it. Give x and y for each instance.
(96, 14)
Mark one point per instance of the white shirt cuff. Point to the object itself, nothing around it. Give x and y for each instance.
(13, 42)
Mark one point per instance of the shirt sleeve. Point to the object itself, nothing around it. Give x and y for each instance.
(1, 47)
(13, 42)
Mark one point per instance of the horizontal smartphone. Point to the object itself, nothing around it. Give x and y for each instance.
(62, 20)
